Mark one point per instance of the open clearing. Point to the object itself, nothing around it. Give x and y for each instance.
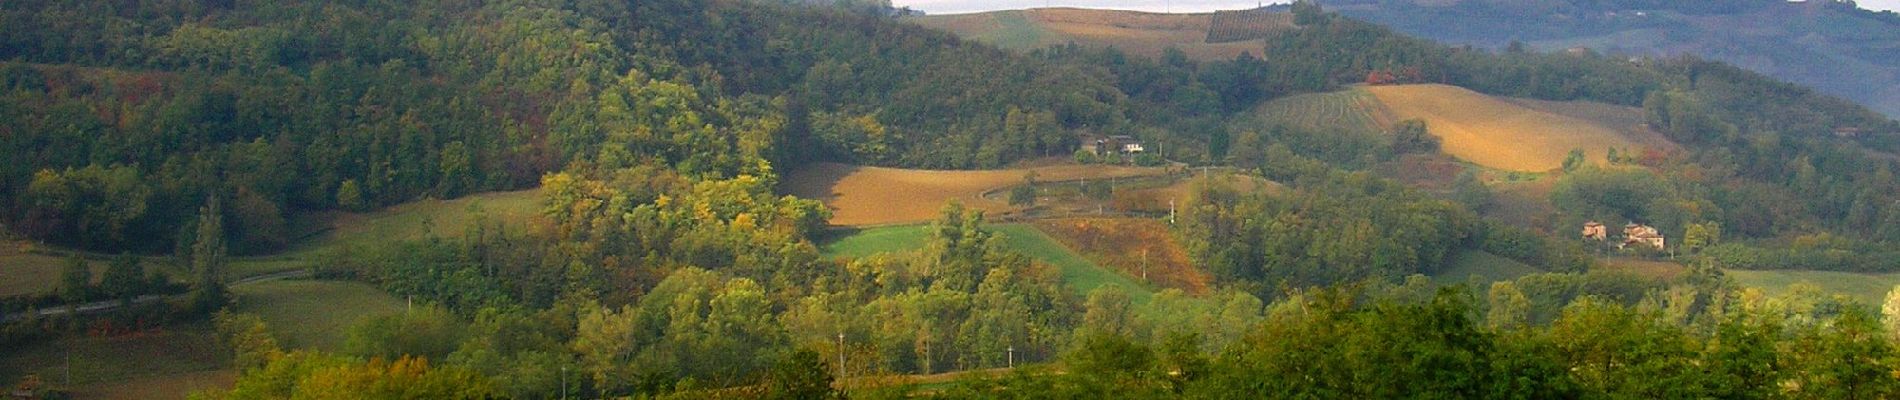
(173, 358)
(1868, 289)
(169, 387)
(1136, 247)
(1500, 134)
(1483, 267)
(26, 272)
(1080, 274)
(860, 243)
(314, 314)
(1133, 32)
(412, 220)
(867, 196)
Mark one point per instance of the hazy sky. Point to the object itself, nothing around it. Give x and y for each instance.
(966, 6)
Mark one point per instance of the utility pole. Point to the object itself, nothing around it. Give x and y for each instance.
(563, 382)
(1012, 357)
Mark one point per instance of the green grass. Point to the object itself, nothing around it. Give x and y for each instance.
(1078, 273)
(314, 314)
(1869, 289)
(1486, 266)
(414, 220)
(24, 273)
(862, 243)
(171, 351)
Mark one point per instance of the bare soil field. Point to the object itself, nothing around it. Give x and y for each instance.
(1496, 133)
(864, 196)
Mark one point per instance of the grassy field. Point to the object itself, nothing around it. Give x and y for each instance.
(1869, 289)
(1080, 274)
(170, 363)
(24, 272)
(1137, 33)
(168, 387)
(412, 220)
(1135, 247)
(860, 243)
(1499, 134)
(314, 314)
(1486, 266)
(1656, 269)
(1354, 110)
(868, 196)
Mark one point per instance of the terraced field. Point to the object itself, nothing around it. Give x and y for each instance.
(1139, 248)
(1354, 110)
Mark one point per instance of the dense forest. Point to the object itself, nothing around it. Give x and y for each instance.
(664, 263)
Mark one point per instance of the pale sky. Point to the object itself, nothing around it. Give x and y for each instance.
(1179, 6)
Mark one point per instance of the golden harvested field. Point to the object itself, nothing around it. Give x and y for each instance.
(1500, 134)
(861, 196)
(1138, 33)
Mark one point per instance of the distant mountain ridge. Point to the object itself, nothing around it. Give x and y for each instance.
(1830, 45)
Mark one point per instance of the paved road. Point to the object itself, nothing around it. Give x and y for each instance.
(109, 305)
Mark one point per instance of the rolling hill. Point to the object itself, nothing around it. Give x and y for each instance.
(1827, 45)
(1138, 33)
(1497, 132)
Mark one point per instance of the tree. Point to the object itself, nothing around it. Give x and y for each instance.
(1509, 308)
(75, 280)
(799, 376)
(1890, 310)
(207, 259)
(124, 278)
(1025, 194)
(1411, 136)
(249, 340)
(1470, 191)
(1574, 160)
(349, 196)
(1701, 235)
(604, 340)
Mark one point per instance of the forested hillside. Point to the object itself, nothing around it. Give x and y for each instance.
(664, 262)
(298, 106)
